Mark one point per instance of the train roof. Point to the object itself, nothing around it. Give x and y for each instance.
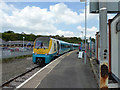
(60, 41)
(43, 38)
(76, 44)
(48, 38)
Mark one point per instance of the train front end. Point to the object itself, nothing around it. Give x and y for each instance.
(41, 50)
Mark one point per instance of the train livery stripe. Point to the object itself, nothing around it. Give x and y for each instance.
(50, 45)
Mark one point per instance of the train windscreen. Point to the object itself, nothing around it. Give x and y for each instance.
(42, 42)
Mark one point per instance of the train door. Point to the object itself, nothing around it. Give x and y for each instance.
(58, 47)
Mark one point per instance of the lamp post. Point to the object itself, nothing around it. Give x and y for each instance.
(23, 43)
(85, 27)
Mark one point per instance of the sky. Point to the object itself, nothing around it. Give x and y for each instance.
(48, 18)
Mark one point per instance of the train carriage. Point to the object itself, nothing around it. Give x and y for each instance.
(75, 46)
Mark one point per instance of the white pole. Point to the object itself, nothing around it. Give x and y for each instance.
(85, 29)
(103, 45)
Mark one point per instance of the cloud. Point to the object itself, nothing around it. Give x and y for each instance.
(66, 33)
(7, 8)
(90, 31)
(63, 14)
(29, 19)
(42, 21)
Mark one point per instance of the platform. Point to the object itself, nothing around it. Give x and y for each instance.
(66, 72)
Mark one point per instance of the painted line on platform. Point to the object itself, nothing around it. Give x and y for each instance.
(38, 84)
(68, 54)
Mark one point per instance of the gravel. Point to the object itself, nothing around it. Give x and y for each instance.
(16, 67)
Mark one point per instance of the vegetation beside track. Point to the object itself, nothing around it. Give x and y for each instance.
(6, 60)
(12, 36)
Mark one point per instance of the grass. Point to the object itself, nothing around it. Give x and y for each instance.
(6, 60)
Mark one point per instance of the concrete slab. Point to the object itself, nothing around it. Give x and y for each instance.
(71, 72)
(35, 79)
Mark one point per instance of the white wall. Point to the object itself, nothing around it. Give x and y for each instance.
(115, 48)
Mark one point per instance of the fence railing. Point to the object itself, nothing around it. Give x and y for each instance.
(10, 54)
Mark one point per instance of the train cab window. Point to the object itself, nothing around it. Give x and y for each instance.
(42, 42)
(39, 44)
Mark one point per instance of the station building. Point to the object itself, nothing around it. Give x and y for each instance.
(16, 43)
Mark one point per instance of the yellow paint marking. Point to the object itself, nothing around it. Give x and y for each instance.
(70, 53)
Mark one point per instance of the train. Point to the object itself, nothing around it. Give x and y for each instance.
(45, 49)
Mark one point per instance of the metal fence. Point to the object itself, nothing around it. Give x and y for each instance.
(9, 54)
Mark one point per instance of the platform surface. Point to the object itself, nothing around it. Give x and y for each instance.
(71, 72)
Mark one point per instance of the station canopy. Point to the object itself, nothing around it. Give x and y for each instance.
(113, 6)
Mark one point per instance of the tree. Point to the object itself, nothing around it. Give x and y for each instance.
(11, 36)
(62, 36)
(93, 39)
(9, 31)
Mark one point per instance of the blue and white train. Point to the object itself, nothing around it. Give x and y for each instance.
(46, 49)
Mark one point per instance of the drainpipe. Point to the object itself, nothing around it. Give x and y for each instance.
(109, 23)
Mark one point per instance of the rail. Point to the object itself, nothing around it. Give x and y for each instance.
(7, 84)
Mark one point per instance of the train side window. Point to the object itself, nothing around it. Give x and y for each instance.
(62, 46)
(54, 46)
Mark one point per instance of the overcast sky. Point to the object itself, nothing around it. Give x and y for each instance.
(48, 18)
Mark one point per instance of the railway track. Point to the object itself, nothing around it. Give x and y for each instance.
(17, 80)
